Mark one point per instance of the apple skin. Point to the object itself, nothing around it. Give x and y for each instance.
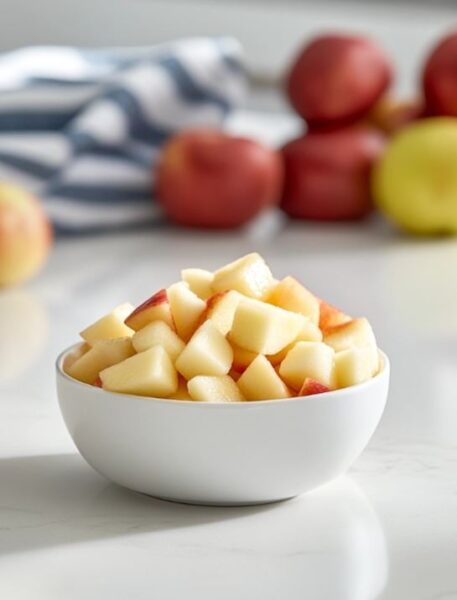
(439, 78)
(155, 307)
(335, 79)
(25, 235)
(206, 178)
(415, 182)
(327, 175)
(330, 316)
(311, 387)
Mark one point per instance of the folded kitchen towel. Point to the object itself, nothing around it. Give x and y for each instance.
(83, 128)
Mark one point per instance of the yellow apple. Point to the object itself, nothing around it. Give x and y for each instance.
(415, 183)
(25, 235)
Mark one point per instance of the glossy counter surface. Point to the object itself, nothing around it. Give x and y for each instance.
(388, 530)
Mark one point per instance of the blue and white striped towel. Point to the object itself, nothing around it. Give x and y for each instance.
(83, 128)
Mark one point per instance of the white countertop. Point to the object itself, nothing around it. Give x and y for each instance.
(388, 530)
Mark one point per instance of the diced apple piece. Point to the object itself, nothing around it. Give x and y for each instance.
(248, 275)
(264, 328)
(158, 333)
(292, 295)
(207, 353)
(308, 359)
(73, 356)
(311, 387)
(353, 334)
(204, 388)
(356, 333)
(353, 366)
(235, 375)
(109, 327)
(242, 358)
(182, 392)
(186, 308)
(220, 309)
(309, 333)
(150, 373)
(155, 308)
(199, 281)
(330, 316)
(103, 354)
(261, 382)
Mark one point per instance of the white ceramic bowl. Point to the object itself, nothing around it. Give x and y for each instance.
(227, 454)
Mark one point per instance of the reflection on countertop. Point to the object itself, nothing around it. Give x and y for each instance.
(330, 541)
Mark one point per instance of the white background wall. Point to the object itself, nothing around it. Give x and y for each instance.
(270, 31)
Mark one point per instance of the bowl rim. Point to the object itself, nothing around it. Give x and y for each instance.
(383, 372)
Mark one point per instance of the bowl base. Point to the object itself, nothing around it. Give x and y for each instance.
(221, 504)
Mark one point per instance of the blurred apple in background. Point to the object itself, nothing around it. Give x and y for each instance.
(25, 235)
(327, 175)
(389, 115)
(415, 183)
(207, 178)
(439, 77)
(336, 79)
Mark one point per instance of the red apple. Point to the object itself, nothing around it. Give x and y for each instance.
(25, 235)
(337, 79)
(439, 78)
(327, 175)
(389, 115)
(155, 308)
(207, 178)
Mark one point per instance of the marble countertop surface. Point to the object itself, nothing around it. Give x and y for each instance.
(387, 530)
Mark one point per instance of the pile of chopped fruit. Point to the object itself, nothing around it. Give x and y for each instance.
(233, 335)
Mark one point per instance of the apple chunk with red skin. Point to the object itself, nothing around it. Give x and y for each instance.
(207, 178)
(308, 359)
(242, 358)
(311, 387)
(330, 316)
(155, 308)
(355, 334)
(337, 78)
(328, 174)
